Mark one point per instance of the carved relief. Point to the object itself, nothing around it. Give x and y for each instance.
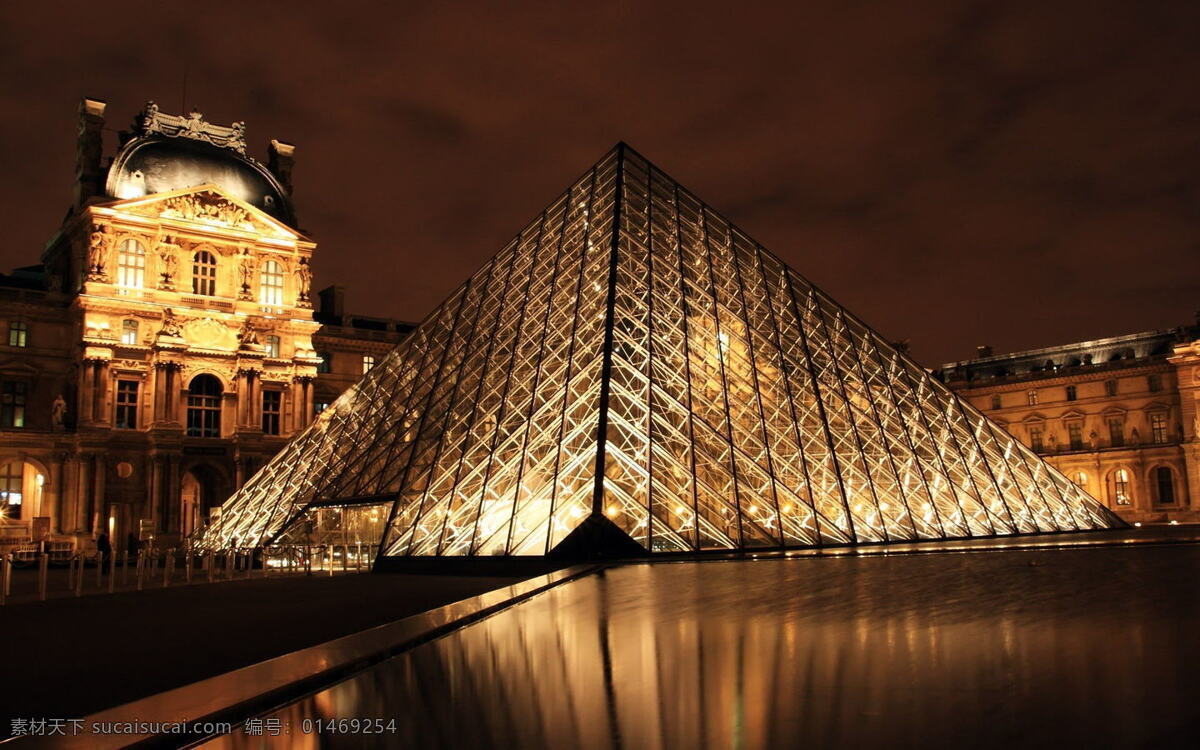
(168, 257)
(303, 283)
(207, 333)
(98, 247)
(193, 126)
(245, 276)
(210, 209)
(171, 326)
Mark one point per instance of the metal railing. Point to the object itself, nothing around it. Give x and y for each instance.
(92, 572)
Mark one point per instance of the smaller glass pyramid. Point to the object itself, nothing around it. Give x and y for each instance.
(633, 361)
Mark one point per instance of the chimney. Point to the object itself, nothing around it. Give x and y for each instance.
(280, 160)
(983, 351)
(333, 301)
(89, 177)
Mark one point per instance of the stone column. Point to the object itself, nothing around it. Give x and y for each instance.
(100, 504)
(55, 497)
(85, 391)
(100, 391)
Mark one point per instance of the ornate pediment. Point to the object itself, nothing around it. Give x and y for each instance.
(207, 206)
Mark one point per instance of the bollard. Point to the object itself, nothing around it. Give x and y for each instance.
(79, 576)
(187, 568)
(124, 567)
(43, 574)
(358, 556)
(168, 567)
(4, 579)
(112, 572)
(345, 557)
(71, 573)
(141, 568)
(99, 569)
(329, 559)
(208, 565)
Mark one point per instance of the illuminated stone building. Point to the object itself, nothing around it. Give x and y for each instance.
(1118, 416)
(633, 373)
(166, 347)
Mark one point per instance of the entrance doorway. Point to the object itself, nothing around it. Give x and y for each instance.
(198, 495)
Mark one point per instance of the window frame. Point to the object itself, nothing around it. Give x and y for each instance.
(204, 409)
(1159, 428)
(14, 404)
(18, 333)
(270, 283)
(1156, 475)
(124, 407)
(135, 269)
(272, 419)
(204, 273)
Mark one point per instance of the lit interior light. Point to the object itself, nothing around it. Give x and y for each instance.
(787, 508)
(612, 510)
(1137, 523)
(680, 510)
(1174, 522)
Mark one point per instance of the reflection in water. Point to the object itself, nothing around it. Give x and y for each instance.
(995, 649)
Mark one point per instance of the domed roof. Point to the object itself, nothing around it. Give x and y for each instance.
(173, 153)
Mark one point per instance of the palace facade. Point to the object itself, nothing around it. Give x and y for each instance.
(166, 346)
(1118, 416)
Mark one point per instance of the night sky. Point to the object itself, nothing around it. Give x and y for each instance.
(956, 173)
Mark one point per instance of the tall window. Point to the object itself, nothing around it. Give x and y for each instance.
(204, 407)
(1116, 431)
(270, 284)
(326, 363)
(12, 490)
(368, 363)
(1035, 437)
(1158, 427)
(320, 406)
(1110, 387)
(12, 403)
(1164, 484)
(1072, 394)
(1075, 435)
(1119, 490)
(272, 407)
(1081, 479)
(131, 264)
(996, 402)
(272, 346)
(127, 404)
(1031, 397)
(18, 333)
(204, 273)
(1154, 382)
(129, 331)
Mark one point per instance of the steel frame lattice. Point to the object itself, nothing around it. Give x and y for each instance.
(632, 355)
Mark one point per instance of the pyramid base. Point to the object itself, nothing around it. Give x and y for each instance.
(597, 538)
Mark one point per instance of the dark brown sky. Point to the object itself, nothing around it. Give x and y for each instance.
(956, 173)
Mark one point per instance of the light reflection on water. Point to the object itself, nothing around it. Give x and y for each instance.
(1016, 649)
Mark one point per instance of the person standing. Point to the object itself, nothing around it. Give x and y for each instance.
(103, 549)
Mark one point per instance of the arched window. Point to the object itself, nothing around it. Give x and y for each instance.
(1164, 486)
(129, 331)
(131, 264)
(1118, 487)
(204, 273)
(270, 284)
(204, 407)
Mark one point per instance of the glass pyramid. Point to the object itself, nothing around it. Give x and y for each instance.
(632, 359)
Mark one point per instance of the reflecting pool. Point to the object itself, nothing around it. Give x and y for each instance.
(1083, 647)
